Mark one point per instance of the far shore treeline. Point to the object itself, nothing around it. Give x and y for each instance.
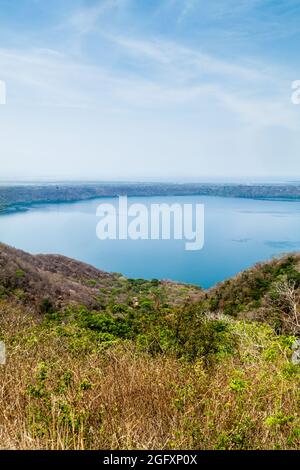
(16, 196)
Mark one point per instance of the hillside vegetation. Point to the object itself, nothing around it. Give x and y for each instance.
(95, 360)
(21, 196)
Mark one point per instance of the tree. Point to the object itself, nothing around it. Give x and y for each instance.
(286, 299)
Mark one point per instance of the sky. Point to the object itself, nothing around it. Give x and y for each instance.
(149, 89)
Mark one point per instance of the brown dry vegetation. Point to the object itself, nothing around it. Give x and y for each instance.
(61, 281)
(62, 392)
(150, 365)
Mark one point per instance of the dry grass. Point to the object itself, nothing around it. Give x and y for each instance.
(61, 281)
(59, 393)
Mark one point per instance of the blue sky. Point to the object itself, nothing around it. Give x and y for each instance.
(149, 89)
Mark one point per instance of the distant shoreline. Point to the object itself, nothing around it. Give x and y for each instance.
(19, 198)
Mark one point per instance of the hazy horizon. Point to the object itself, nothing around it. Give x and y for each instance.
(200, 180)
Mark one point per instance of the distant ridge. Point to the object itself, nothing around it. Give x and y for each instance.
(14, 197)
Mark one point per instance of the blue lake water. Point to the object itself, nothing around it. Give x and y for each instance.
(238, 233)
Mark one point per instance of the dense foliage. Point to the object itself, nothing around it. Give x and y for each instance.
(147, 364)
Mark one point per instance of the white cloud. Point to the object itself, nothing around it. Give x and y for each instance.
(184, 75)
(188, 7)
(183, 79)
(194, 62)
(85, 19)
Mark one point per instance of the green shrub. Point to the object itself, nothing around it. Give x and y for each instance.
(20, 273)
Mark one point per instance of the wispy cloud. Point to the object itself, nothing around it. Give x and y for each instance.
(84, 20)
(177, 76)
(187, 8)
(196, 63)
(164, 67)
(185, 75)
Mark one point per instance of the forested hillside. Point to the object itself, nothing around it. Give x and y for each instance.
(95, 360)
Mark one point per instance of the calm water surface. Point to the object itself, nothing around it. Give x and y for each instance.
(238, 233)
